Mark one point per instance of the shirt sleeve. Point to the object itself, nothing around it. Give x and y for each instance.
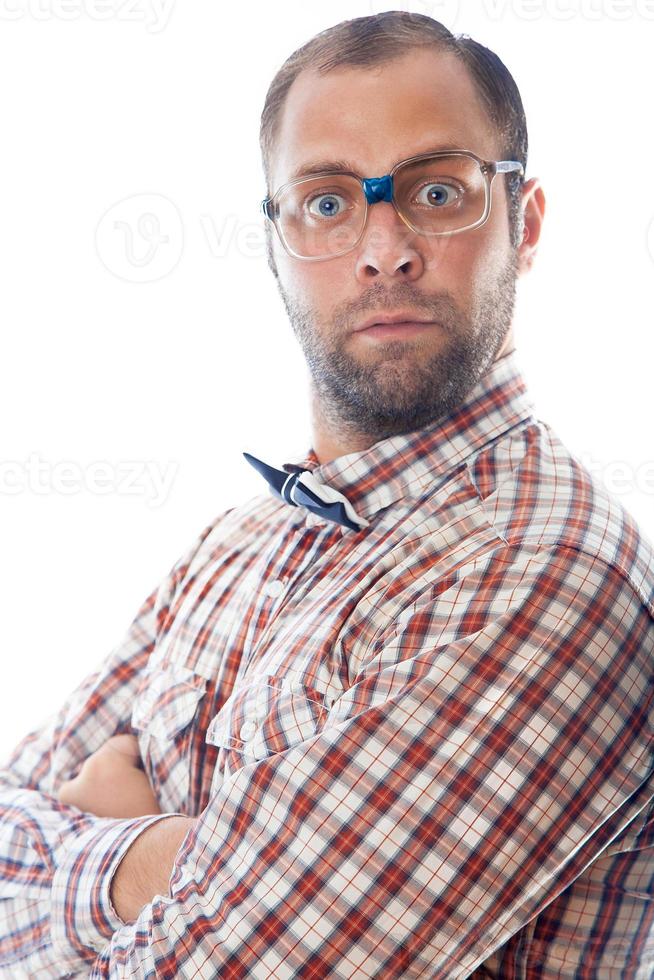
(40, 837)
(495, 739)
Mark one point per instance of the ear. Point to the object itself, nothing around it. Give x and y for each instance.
(270, 254)
(533, 207)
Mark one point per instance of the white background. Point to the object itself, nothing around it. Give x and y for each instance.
(106, 101)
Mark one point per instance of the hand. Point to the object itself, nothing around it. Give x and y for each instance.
(145, 868)
(111, 782)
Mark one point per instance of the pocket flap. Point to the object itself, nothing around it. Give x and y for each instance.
(167, 700)
(268, 717)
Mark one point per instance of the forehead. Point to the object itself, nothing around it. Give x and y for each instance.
(372, 117)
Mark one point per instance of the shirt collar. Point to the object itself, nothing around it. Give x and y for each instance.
(407, 465)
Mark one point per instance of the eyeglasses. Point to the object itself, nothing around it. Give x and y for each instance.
(441, 193)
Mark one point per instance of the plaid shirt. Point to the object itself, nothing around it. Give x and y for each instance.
(422, 749)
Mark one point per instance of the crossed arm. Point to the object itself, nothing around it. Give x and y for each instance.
(112, 783)
(474, 769)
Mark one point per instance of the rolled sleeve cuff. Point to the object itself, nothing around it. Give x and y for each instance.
(83, 918)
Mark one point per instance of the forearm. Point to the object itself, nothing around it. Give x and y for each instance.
(147, 865)
(62, 858)
(33, 825)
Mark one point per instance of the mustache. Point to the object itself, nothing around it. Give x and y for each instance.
(433, 306)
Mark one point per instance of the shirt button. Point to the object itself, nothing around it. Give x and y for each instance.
(273, 589)
(248, 730)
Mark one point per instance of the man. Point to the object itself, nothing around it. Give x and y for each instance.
(393, 720)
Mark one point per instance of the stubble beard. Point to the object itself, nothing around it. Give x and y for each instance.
(394, 389)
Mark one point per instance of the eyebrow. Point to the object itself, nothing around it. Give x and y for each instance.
(319, 166)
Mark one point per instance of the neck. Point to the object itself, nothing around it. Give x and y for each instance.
(330, 439)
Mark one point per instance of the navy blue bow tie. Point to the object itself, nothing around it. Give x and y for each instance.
(301, 489)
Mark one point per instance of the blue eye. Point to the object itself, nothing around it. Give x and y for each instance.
(327, 205)
(437, 194)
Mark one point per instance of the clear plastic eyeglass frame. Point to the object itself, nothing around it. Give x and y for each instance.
(377, 189)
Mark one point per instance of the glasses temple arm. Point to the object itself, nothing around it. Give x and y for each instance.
(508, 166)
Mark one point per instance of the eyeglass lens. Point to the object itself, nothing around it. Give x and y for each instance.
(325, 215)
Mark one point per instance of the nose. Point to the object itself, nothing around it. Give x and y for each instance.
(388, 246)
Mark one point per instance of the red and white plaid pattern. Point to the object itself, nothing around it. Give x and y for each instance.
(422, 749)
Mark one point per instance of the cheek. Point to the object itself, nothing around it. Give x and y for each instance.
(315, 285)
(452, 264)
(459, 263)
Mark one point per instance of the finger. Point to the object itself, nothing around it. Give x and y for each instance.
(126, 745)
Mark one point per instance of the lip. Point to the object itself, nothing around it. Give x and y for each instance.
(402, 330)
(404, 318)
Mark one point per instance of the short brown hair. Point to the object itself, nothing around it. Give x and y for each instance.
(378, 38)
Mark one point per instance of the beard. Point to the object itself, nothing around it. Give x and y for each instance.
(399, 386)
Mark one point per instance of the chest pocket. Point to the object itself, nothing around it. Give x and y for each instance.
(163, 714)
(265, 717)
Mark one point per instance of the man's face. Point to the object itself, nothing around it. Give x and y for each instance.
(464, 283)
